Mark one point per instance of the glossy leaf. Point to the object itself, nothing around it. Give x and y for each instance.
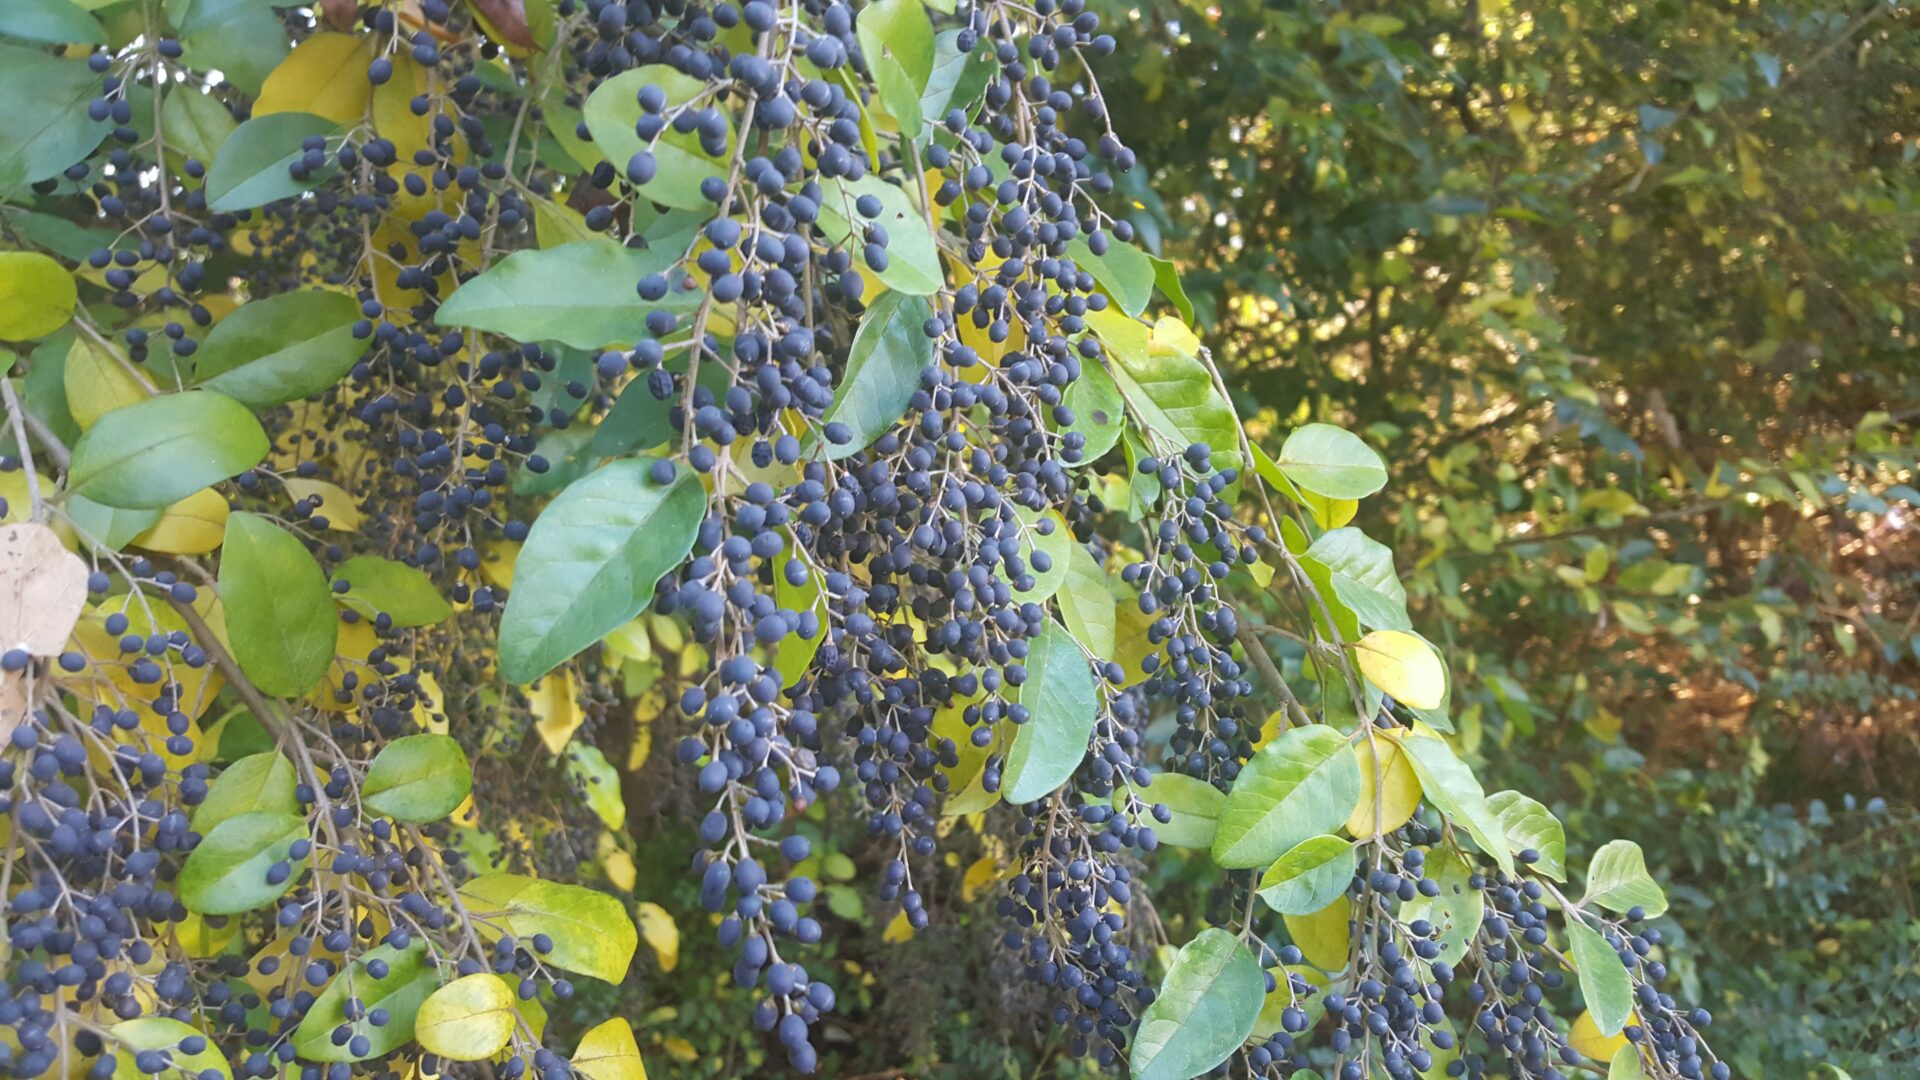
(1125, 272)
(281, 348)
(257, 782)
(1099, 412)
(1205, 1009)
(609, 1052)
(1531, 826)
(1452, 787)
(227, 873)
(280, 614)
(1194, 804)
(50, 22)
(1403, 666)
(469, 1019)
(957, 79)
(591, 932)
(890, 350)
(913, 258)
(1300, 785)
(1389, 788)
(418, 778)
(1061, 705)
(1617, 880)
(591, 561)
(1604, 981)
(1309, 876)
(37, 295)
(252, 166)
(1331, 461)
(382, 586)
(1360, 573)
(410, 978)
(45, 127)
(579, 294)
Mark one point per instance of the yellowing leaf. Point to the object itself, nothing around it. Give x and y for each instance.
(340, 509)
(556, 709)
(680, 1050)
(979, 878)
(661, 934)
(97, 383)
(325, 75)
(608, 1052)
(496, 563)
(898, 929)
(468, 1019)
(36, 295)
(193, 526)
(1403, 666)
(1323, 936)
(1586, 1038)
(1398, 787)
(620, 869)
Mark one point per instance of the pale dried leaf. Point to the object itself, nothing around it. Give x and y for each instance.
(43, 586)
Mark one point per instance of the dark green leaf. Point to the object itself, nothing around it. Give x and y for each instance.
(1061, 705)
(890, 350)
(591, 562)
(418, 778)
(50, 22)
(156, 452)
(579, 294)
(1166, 277)
(1604, 981)
(44, 127)
(251, 168)
(957, 79)
(281, 348)
(227, 873)
(1124, 271)
(280, 613)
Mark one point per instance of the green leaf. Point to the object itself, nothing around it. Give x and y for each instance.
(1456, 912)
(1309, 876)
(897, 40)
(1086, 603)
(418, 778)
(1099, 412)
(44, 127)
(1205, 1009)
(469, 1019)
(1331, 461)
(637, 421)
(245, 47)
(592, 560)
(263, 781)
(382, 586)
(251, 168)
(1195, 806)
(1045, 533)
(579, 294)
(1171, 391)
(107, 526)
(1166, 277)
(165, 1033)
(1626, 1066)
(957, 79)
(1617, 880)
(613, 109)
(156, 452)
(913, 258)
(1061, 704)
(1531, 825)
(589, 767)
(411, 977)
(1124, 271)
(890, 350)
(189, 16)
(591, 932)
(50, 22)
(280, 612)
(197, 124)
(1359, 571)
(1604, 981)
(1302, 784)
(37, 295)
(1452, 787)
(281, 348)
(227, 873)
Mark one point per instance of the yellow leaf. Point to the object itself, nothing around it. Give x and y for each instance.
(339, 508)
(898, 929)
(1403, 666)
(608, 1052)
(661, 934)
(630, 640)
(200, 940)
(620, 869)
(325, 75)
(496, 563)
(1172, 334)
(36, 295)
(980, 877)
(1323, 936)
(193, 526)
(468, 1019)
(96, 383)
(556, 709)
(1399, 787)
(1586, 1038)
(680, 1050)
(353, 644)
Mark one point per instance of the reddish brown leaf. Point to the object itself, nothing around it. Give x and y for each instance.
(339, 13)
(507, 19)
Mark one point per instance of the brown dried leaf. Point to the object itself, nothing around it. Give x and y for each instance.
(339, 13)
(43, 586)
(507, 19)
